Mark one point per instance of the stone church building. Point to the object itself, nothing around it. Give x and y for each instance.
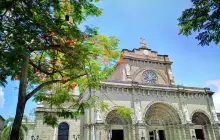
(162, 109)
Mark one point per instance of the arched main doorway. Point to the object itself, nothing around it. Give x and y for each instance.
(158, 117)
(117, 125)
(201, 121)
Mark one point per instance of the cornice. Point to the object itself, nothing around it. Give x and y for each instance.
(140, 88)
(148, 59)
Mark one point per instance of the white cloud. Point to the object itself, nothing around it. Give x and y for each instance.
(2, 99)
(216, 96)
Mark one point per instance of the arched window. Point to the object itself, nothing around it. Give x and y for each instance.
(63, 131)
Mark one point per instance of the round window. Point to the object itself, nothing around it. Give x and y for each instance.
(150, 77)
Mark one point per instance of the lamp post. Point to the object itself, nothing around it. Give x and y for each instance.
(33, 137)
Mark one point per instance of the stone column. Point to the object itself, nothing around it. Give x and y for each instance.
(170, 132)
(179, 132)
(176, 134)
(187, 131)
(184, 132)
(140, 131)
(211, 132)
(216, 131)
(206, 133)
(126, 133)
(100, 132)
(129, 132)
(133, 129)
(93, 132)
(147, 133)
(85, 133)
(167, 132)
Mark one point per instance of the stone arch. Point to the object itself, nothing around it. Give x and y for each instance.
(111, 110)
(64, 122)
(200, 117)
(168, 112)
(154, 70)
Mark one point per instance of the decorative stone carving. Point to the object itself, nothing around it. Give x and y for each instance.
(186, 113)
(128, 69)
(138, 114)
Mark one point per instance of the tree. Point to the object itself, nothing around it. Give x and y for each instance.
(45, 53)
(8, 126)
(203, 18)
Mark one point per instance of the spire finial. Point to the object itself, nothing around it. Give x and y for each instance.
(143, 44)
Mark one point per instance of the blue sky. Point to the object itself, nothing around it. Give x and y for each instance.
(156, 20)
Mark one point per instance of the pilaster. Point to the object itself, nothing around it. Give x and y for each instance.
(141, 131)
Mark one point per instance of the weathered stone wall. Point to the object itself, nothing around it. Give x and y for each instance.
(46, 132)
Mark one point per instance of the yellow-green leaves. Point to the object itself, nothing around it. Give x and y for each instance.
(125, 112)
(104, 106)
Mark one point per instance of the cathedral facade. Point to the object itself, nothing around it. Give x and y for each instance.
(162, 109)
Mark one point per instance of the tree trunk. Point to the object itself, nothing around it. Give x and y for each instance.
(21, 101)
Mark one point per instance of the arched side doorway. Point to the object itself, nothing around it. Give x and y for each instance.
(199, 118)
(201, 122)
(159, 117)
(63, 131)
(118, 126)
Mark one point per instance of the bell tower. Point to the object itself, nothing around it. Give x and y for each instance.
(144, 66)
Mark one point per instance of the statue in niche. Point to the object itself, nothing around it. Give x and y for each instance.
(123, 75)
(138, 111)
(186, 113)
(214, 115)
(171, 76)
(128, 69)
(98, 114)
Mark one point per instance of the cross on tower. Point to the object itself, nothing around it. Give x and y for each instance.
(143, 44)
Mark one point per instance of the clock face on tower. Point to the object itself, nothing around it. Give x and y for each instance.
(149, 77)
(145, 52)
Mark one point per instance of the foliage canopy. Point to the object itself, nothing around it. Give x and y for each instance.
(203, 18)
(60, 56)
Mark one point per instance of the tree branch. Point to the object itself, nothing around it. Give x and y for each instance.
(41, 69)
(45, 48)
(29, 95)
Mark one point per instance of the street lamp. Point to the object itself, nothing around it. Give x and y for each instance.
(33, 138)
